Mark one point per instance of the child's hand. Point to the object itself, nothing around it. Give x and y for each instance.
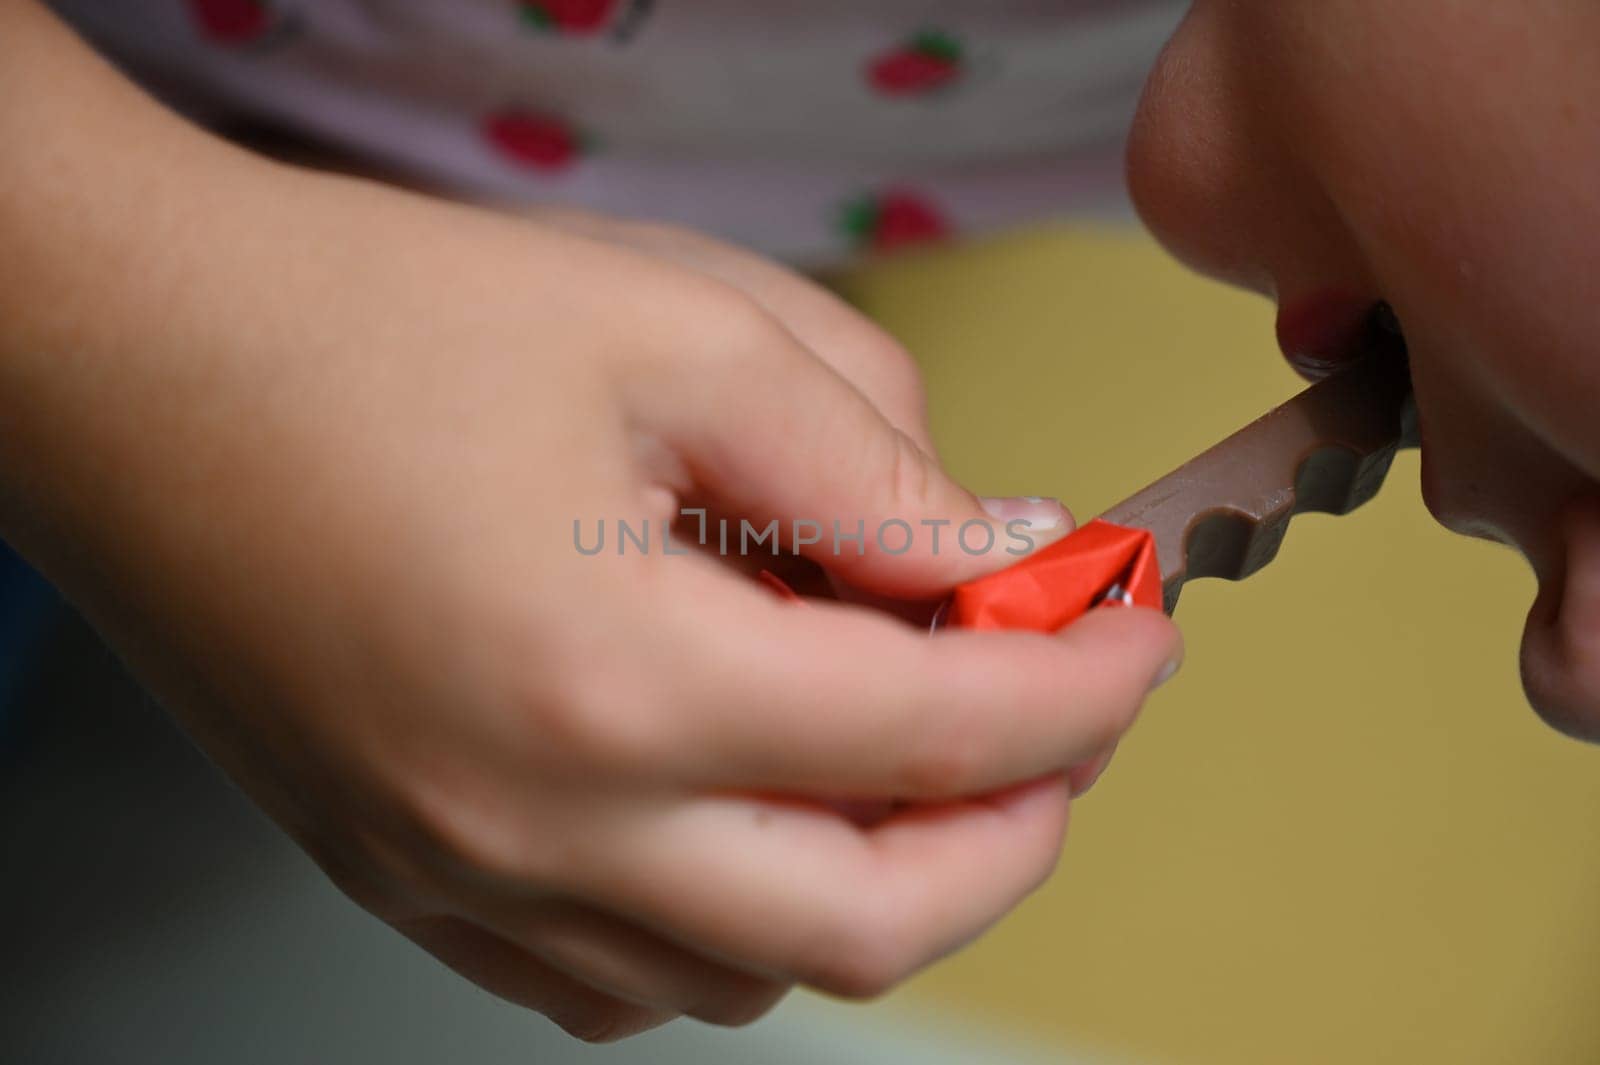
(311, 453)
(329, 516)
(855, 346)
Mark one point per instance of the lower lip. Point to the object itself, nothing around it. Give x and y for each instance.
(1321, 333)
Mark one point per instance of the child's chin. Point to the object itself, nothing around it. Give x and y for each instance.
(1565, 705)
(1561, 642)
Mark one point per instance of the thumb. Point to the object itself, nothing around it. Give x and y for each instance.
(783, 438)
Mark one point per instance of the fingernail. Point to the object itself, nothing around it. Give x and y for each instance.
(1166, 673)
(1041, 515)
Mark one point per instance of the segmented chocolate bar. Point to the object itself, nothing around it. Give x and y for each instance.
(1224, 513)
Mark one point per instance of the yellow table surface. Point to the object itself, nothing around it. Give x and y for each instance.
(1339, 835)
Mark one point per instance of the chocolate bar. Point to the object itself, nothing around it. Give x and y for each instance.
(1224, 513)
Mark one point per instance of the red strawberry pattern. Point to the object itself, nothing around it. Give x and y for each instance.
(930, 61)
(534, 140)
(568, 16)
(585, 18)
(894, 219)
(232, 22)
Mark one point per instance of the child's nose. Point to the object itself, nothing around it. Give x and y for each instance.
(1218, 169)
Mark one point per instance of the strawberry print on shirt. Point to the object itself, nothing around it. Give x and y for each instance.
(584, 18)
(892, 220)
(533, 140)
(929, 62)
(236, 23)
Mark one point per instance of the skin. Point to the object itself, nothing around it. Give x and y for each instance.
(307, 450)
(1438, 155)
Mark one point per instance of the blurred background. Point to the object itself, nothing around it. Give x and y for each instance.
(1339, 835)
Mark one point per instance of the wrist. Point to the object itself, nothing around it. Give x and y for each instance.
(111, 218)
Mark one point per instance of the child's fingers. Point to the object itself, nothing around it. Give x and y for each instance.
(1083, 777)
(837, 701)
(803, 895)
(854, 345)
(632, 964)
(504, 969)
(773, 434)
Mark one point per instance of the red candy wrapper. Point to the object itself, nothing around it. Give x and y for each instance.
(1100, 564)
